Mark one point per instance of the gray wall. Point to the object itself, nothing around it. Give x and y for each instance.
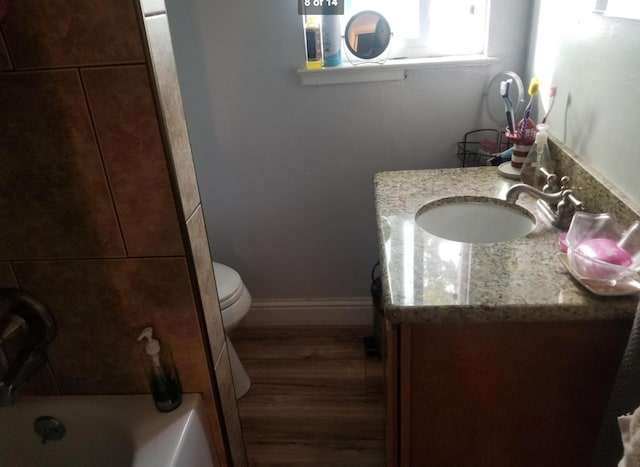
(285, 171)
(595, 63)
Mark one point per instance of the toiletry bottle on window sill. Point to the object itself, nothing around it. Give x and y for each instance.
(538, 158)
(163, 379)
(331, 40)
(313, 36)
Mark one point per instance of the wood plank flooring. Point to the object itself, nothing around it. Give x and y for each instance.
(316, 399)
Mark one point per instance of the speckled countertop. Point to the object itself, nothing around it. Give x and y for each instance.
(430, 279)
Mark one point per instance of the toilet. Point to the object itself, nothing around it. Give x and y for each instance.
(235, 301)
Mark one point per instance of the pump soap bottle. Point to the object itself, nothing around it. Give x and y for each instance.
(165, 385)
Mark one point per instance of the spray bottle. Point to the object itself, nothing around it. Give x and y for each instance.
(331, 40)
(539, 158)
(165, 385)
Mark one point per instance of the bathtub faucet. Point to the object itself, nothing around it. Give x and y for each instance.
(26, 328)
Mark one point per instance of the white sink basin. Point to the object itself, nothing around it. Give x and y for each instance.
(472, 219)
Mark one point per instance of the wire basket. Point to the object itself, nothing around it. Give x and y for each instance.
(478, 146)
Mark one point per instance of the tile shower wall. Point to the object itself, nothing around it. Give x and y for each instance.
(7, 278)
(140, 183)
(101, 305)
(89, 221)
(5, 63)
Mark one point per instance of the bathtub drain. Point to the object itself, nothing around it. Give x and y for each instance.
(49, 429)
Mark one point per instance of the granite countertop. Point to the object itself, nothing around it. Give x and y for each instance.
(430, 279)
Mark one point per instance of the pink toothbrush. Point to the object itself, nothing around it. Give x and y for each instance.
(552, 95)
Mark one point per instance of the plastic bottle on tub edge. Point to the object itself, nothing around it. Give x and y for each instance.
(538, 157)
(165, 385)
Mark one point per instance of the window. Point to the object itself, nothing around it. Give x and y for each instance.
(619, 8)
(428, 33)
(429, 28)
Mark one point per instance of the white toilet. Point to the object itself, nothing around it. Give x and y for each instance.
(235, 301)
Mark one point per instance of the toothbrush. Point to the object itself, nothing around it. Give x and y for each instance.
(552, 99)
(501, 157)
(511, 113)
(533, 90)
(508, 105)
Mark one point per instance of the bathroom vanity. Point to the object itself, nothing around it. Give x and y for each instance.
(494, 355)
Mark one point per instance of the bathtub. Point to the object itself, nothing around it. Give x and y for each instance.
(106, 431)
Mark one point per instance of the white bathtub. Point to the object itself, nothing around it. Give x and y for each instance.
(106, 431)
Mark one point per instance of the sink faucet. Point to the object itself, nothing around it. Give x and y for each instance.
(26, 328)
(558, 207)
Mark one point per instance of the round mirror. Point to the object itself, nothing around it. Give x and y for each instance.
(367, 34)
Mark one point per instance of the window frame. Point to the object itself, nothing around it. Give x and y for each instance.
(410, 48)
(394, 67)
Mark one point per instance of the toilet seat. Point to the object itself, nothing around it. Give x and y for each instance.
(234, 298)
(228, 283)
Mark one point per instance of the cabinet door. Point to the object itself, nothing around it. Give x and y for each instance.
(505, 394)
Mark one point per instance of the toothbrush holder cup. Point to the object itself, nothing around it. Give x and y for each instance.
(522, 141)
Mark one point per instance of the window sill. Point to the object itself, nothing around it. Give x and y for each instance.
(391, 70)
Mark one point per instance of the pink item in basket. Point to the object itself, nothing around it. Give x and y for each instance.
(604, 249)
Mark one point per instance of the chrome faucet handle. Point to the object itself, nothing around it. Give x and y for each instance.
(568, 196)
(552, 183)
(26, 329)
(575, 202)
(557, 206)
(551, 180)
(566, 208)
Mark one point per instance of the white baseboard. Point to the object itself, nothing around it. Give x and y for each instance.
(355, 311)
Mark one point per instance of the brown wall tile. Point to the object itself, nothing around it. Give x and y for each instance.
(7, 279)
(58, 33)
(206, 281)
(172, 111)
(55, 201)
(5, 61)
(230, 410)
(100, 306)
(54, 197)
(40, 384)
(127, 127)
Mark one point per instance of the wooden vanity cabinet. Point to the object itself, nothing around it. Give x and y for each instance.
(499, 394)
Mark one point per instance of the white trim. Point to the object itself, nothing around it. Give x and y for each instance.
(391, 70)
(153, 7)
(312, 311)
(349, 74)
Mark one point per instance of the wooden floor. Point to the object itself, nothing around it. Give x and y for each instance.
(316, 399)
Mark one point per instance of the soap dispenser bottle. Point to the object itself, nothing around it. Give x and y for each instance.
(165, 385)
(537, 159)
